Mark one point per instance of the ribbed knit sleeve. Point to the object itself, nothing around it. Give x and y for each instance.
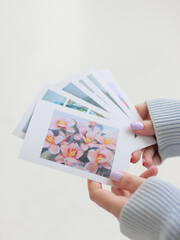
(153, 212)
(165, 114)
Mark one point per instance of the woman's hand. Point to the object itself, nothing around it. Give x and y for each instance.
(113, 201)
(145, 128)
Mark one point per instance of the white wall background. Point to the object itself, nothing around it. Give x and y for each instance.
(46, 41)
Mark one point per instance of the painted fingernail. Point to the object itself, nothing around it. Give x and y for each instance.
(143, 161)
(137, 125)
(116, 176)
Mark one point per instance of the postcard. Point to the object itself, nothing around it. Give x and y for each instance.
(69, 85)
(96, 82)
(111, 82)
(77, 143)
(74, 87)
(60, 97)
(22, 126)
(103, 101)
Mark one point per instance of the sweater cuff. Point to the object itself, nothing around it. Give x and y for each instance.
(151, 211)
(165, 114)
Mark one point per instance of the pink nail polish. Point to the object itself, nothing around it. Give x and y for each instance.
(143, 161)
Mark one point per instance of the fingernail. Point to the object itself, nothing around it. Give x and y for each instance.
(143, 161)
(137, 125)
(116, 176)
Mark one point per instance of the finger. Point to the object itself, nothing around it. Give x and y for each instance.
(148, 155)
(120, 192)
(142, 110)
(136, 156)
(144, 128)
(126, 181)
(106, 199)
(157, 159)
(152, 171)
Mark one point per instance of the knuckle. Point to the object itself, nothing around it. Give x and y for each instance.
(128, 180)
(145, 154)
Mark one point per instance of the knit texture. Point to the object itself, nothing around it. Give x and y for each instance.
(165, 114)
(153, 212)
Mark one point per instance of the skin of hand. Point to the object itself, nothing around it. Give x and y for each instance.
(113, 201)
(150, 154)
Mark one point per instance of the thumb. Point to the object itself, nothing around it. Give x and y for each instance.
(144, 128)
(126, 181)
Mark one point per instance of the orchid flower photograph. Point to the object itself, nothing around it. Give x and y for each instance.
(80, 143)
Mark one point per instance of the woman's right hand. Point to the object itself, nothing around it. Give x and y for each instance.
(145, 128)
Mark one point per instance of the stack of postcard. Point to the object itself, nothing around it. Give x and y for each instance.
(81, 126)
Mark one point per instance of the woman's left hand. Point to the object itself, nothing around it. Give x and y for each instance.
(113, 201)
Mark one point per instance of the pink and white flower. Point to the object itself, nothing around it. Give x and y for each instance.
(109, 142)
(51, 141)
(89, 140)
(99, 158)
(88, 135)
(70, 154)
(82, 131)
(66, 124)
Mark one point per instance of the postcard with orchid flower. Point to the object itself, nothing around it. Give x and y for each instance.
(75, 142)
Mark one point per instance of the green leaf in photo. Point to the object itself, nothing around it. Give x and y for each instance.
(48, 155)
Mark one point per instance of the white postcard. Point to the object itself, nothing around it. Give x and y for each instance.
(72, 86)
(96, 82)
(111, 82)
(76, 142)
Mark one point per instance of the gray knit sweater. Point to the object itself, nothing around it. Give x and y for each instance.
(153, 212)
